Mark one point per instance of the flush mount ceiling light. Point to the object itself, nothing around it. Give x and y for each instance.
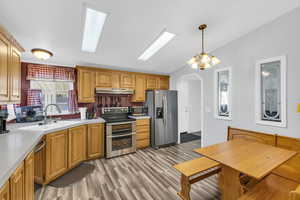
(160, 42)
(203, 60)
(94, 22)
(42, 54)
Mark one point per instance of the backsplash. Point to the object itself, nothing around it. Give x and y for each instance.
(110, 100)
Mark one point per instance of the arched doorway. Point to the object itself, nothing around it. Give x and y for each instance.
(190, 105)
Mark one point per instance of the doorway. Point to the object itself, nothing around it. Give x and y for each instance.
(190, 108)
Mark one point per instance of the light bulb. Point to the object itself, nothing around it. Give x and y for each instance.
(192, 61)
(194, 65)
(204, 58)
(215, 60)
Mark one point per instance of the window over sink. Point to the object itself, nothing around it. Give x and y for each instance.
(54, 92)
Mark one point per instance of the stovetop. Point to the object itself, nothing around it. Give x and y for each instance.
(116, 114)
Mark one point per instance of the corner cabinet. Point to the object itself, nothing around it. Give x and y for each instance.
(10, 69)
(95, 141)
(56, 154)
(86, 85)
(77, 145)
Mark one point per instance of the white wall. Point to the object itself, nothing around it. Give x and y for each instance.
(194, 105)
(280, 37)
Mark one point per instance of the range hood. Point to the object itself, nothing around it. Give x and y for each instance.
(114, 91)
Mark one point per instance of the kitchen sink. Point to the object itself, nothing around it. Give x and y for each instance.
(50, 126)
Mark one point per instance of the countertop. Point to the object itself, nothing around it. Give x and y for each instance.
(139, 117)
(15, 145)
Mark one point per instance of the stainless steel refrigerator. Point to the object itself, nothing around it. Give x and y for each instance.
(162, 107)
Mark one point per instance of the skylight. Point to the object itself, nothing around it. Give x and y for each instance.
(94, 22)
(163, 39)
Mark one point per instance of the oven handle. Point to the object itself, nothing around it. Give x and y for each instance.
(118, 136)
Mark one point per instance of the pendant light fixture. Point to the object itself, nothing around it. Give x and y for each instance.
(42, 54)
(203, 60)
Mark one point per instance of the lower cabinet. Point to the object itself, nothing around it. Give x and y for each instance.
(77, 145)
(29, 177)
(56, 154)
(95, 141)
(5, 192)
(17, 188)
(142, 133)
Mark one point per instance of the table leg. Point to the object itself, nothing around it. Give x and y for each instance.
(229, 183)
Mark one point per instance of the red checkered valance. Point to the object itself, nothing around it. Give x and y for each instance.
(45, 72)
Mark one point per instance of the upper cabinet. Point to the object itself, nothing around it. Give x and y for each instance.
(90, 78)
(86, 85)
(10, 68)
(127, 80)
(140, 89)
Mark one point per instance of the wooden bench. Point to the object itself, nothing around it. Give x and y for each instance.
(273, 187)
(203, 167)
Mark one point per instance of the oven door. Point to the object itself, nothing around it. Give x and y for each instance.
(120, 138)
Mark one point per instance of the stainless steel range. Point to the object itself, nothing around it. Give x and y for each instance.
(120, 131)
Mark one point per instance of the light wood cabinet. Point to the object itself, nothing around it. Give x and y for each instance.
(15, 76)
(86, 85)
(17, 188)
(143, 133)
(107, 79)
(151, 83)
(163, 83)
(56, 154)
(10, 69)
(29, 177)
(127, 80)
(95, 141)
(5, 192)
(4, 67)
(140, 89)
(40, 162)
(77, 145)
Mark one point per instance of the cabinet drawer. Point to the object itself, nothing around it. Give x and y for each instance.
(142, 135)
(142, 129)
(143, 143)
(142, 122)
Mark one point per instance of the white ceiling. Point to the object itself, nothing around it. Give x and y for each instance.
(132, 25)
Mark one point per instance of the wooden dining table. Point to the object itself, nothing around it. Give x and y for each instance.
(243, 156)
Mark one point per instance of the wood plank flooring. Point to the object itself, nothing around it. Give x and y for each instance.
(144, 175)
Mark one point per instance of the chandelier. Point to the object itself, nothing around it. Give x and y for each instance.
(203, 60)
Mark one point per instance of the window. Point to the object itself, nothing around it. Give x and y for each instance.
(270, 92)
(223, 94)
(56, 92)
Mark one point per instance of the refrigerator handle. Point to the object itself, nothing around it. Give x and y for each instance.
(164, 109)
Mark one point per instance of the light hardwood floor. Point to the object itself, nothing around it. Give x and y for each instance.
(144, 175)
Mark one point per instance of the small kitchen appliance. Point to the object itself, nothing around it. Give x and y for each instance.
(120, 131)
(138, 111)
(3, 118)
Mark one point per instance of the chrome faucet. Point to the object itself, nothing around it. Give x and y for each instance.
(46, 110)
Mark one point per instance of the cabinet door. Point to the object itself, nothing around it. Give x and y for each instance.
(15, 76)
(163, 83)
(5, 192)
(4, 63)
(17, 184)
(104, 79)
(140, 89)
(77, 145)
(151, 83)
(95, 140)
(40, 162)
(127, 80)
(56, 154)
(29, 177)
(86, 86)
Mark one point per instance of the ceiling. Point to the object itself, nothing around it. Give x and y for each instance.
(132, 25)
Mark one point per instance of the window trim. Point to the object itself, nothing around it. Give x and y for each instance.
(258, 112)
(216, 106)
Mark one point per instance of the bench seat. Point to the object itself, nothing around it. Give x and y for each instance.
(273, 187)
(288, 172)
(203, 167)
